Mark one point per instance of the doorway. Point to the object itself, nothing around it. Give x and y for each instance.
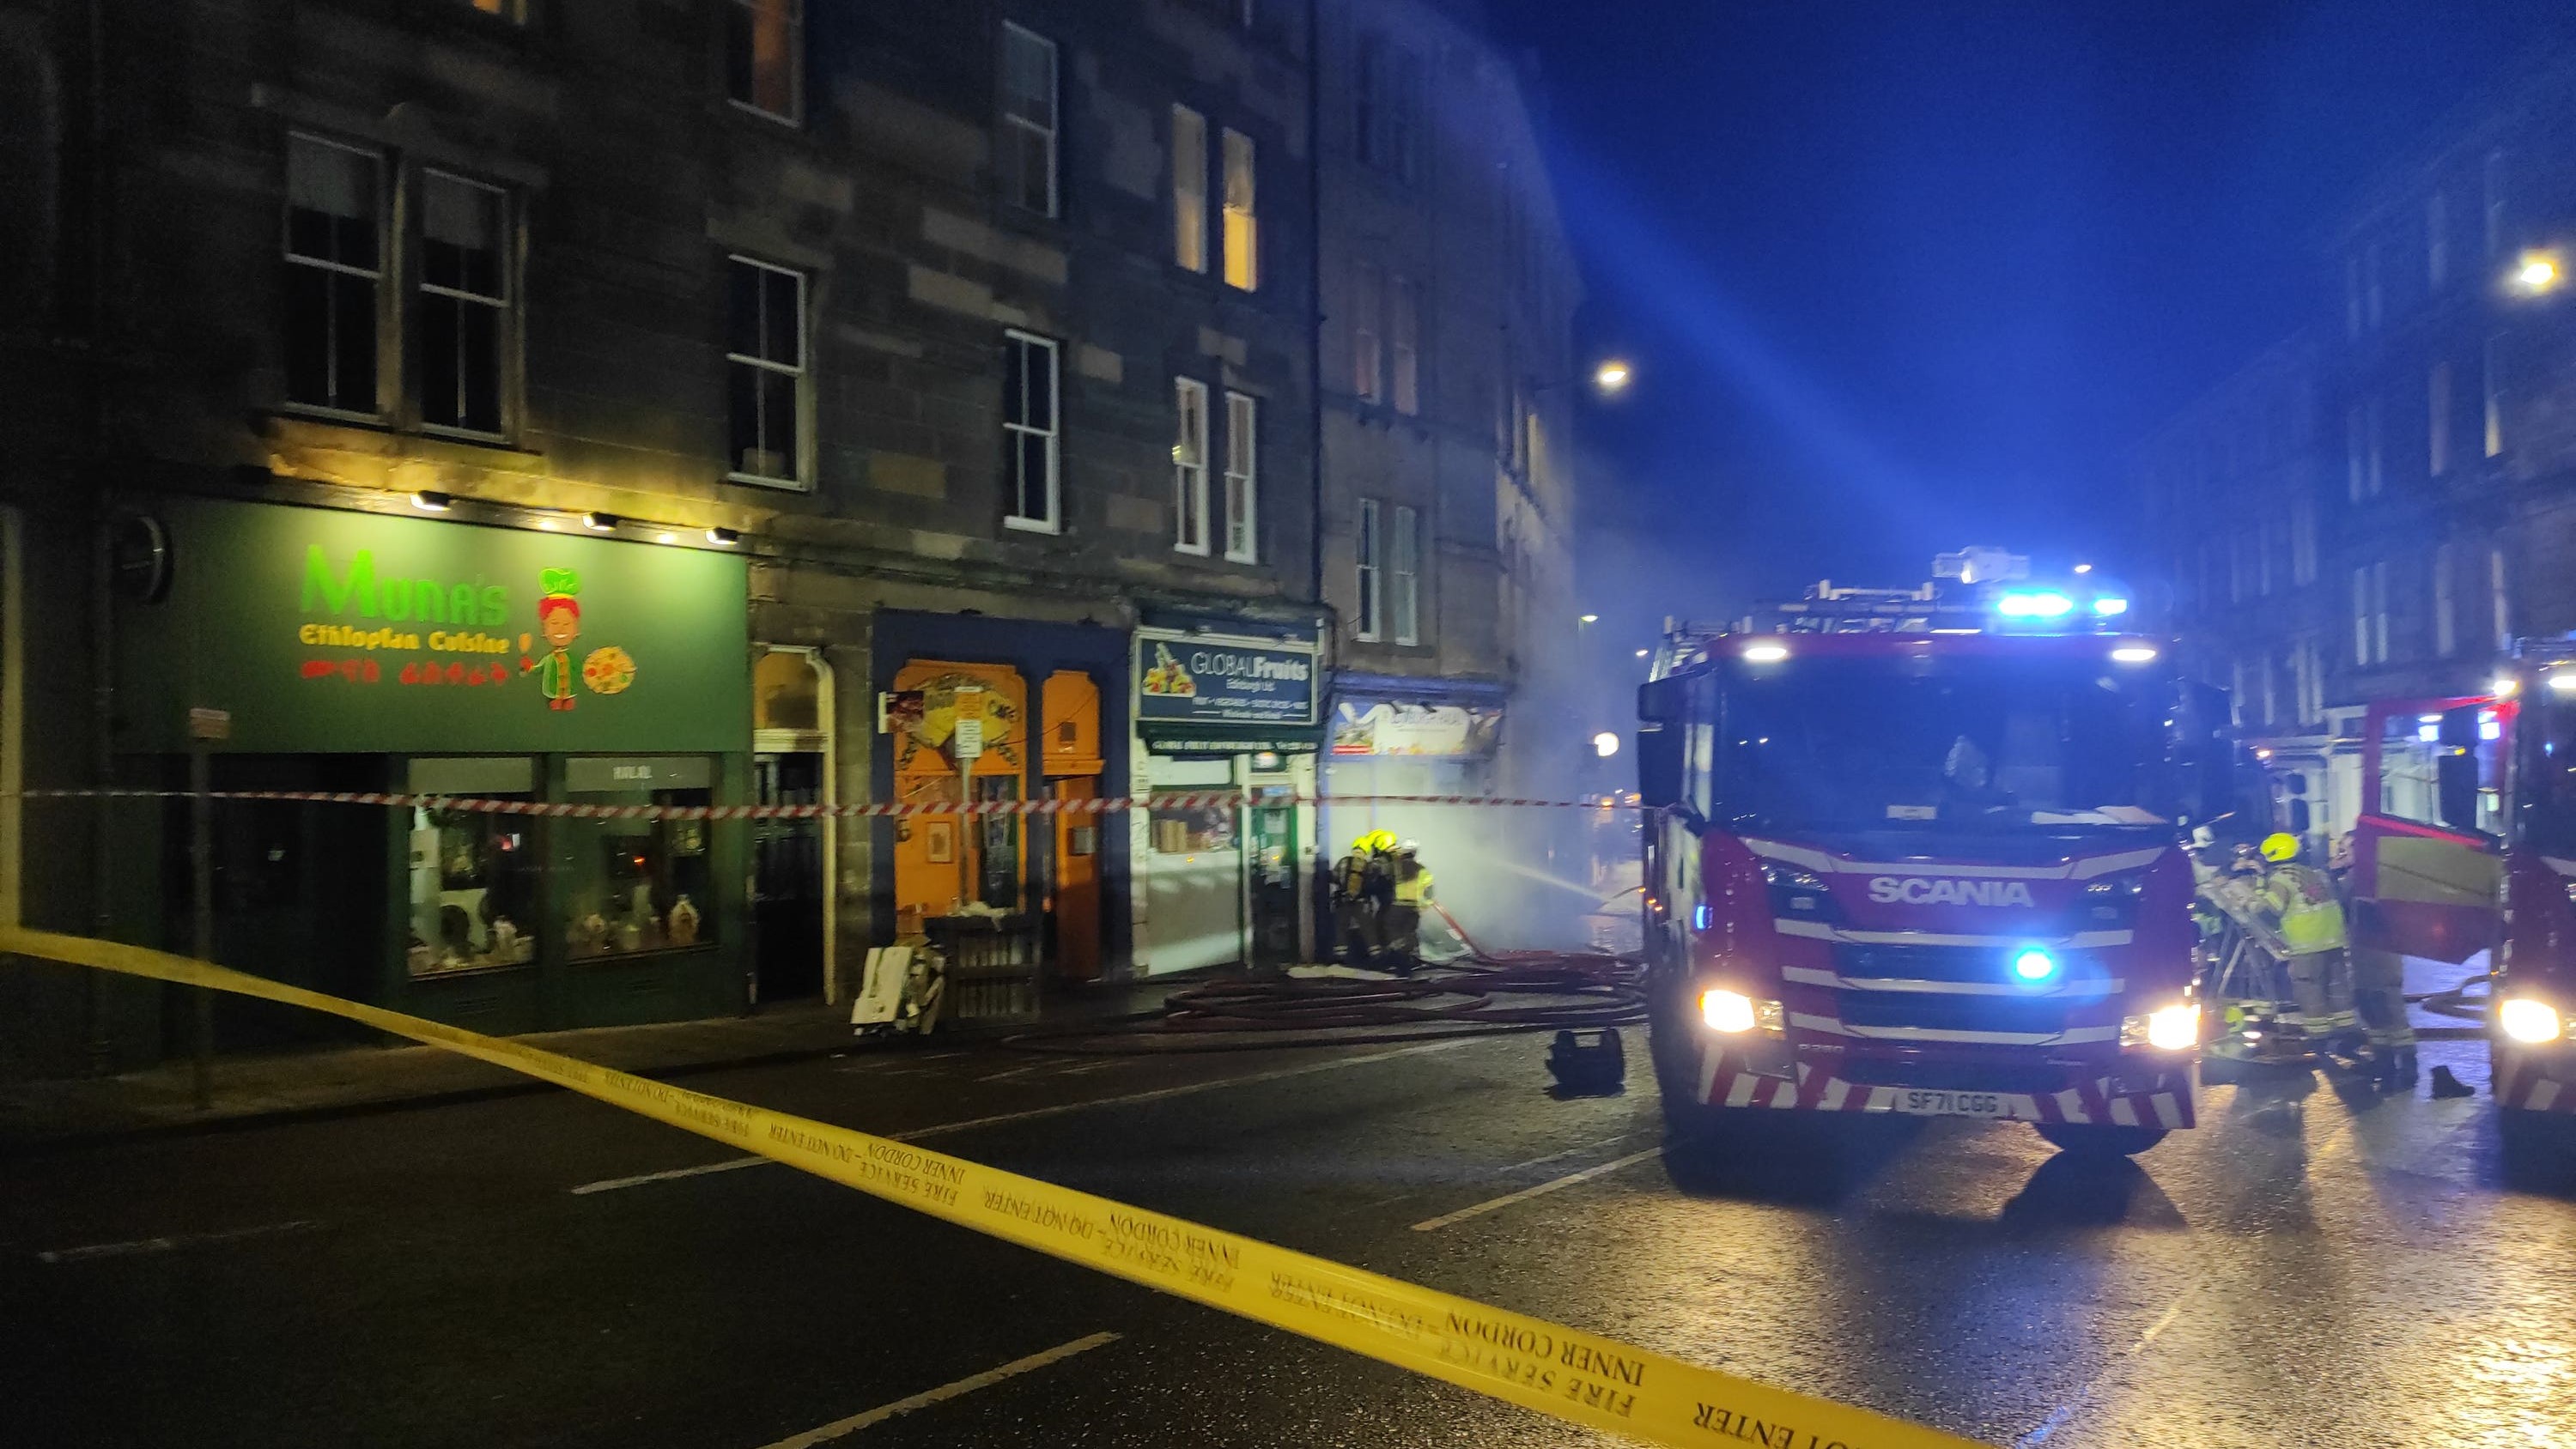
(792, 860)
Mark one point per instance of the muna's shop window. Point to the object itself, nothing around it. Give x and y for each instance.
(473, 874)
(634, 885)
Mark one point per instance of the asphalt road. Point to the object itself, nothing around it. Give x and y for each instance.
(2314, 1266)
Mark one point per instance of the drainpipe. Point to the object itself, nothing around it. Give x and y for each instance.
(102, 593)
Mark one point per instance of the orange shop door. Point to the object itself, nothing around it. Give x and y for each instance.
(960, 733)
(1070, 707)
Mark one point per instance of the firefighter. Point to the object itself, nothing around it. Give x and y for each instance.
(2309, 919)
(1409, 892)
(1363, 885)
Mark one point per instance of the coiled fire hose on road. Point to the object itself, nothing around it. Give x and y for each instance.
(1483, 993)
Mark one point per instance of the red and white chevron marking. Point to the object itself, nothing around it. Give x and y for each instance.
(1729, 1081)
(2534, 1083)
(1204, 799)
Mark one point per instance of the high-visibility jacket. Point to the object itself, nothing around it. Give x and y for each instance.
(2311, 918)
(1358, 877)
(1412, 883)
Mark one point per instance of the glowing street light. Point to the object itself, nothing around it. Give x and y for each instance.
(1592, 618)
(1605, 744)
(2538, 274)
(1611, 378)
(1641, 653)
(2084, 568)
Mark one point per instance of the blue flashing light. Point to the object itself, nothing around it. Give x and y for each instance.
(2033, 965)
(1700, 918)
(2106, 607)
(2035, 604)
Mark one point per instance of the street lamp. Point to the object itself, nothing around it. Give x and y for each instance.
(1611, 378)
(2538, 274)
(1592, 618)
(1605, 744)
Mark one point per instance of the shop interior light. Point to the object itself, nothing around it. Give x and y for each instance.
(723, 537)
(2133, 654)
(2106, 607)
(429, 500)
(1765, 653)
(2034, 604)
(600, 522)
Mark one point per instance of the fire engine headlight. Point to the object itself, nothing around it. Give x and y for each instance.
(2529, 1022)
(1732, 1013)
(2173, 1028)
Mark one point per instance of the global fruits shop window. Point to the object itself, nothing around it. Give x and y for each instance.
(632, 885)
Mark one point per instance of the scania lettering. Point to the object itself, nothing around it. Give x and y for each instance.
(1919, 852)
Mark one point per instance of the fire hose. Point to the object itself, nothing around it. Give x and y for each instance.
(1484, 993)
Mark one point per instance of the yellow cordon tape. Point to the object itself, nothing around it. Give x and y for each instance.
(1562, 1372)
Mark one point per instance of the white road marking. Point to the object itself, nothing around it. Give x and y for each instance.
(942, 1394)
(1053, 1109)
(702, 1169)
(1016, 1072)
(164, 1245)
(2058, 1417)
(1525, 1194)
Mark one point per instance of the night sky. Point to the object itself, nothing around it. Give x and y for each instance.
(1904, 275)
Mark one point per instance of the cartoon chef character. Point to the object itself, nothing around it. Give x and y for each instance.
(559, 620)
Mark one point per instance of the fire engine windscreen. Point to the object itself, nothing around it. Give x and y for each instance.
(2547, 778)
(1976, 743)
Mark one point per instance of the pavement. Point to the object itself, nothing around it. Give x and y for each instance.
(326, 1081)
(2316, 1265)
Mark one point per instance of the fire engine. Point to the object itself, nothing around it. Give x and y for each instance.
(2467, 845)
(1919, 851)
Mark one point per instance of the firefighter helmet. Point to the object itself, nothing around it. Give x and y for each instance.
(2279, 846)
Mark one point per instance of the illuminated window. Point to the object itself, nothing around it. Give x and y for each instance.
(1026, 159)
(1404, 334)
(1242, 224)
(765, 358)
(1030, 431)
(1367, 304)
(511, 10)
(1189, 189)
(1365, 618)
(1189, 466)
(2499, 603)
(2446, 603)
(2303, 539)
(765, 56)
(2438, 418)
(1242, 479)
(2437, 241)
(1405, 563)
(464, 302)
(2370, 614)
(2491, 388)
(2493, 177)
(334, 250)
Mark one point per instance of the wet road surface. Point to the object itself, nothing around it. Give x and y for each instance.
(2313, 1266)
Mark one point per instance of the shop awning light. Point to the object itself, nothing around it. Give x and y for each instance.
(431, 501)
(600, 522)
(2034, 604)
(2133, 654)
(666, 536)
(1765, 653)
(2106, 607)
(723, 537)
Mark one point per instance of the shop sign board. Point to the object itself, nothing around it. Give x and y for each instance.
(1399, 727)
(1195, 679)
(330, 631)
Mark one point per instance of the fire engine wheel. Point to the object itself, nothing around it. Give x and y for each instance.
(2099, 1142)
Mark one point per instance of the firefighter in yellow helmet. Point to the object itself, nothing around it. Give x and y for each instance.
(1410, 891)
(2309, 918)
(1363, 886)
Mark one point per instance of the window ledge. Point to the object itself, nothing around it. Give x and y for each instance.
(779, 485)
(1046, 527)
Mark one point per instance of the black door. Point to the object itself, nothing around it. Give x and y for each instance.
(788, 897)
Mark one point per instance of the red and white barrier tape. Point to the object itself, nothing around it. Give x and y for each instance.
(1191, 800)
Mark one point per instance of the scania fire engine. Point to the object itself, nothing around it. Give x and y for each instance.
(2470, 846)
(1919, 852)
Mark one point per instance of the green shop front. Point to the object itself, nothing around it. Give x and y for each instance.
(321, 650)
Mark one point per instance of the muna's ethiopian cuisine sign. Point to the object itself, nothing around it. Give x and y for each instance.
(338, 632)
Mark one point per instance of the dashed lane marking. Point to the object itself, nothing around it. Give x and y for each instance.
(1055, 1109)
(141, 1246)
(1544, 1188)
(839, 1428)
